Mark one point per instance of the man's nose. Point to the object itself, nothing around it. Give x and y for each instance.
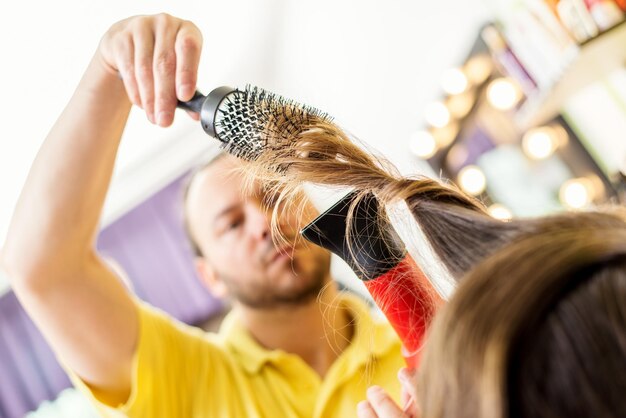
(260, 223)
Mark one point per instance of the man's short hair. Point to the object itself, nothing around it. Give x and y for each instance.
(195, 247)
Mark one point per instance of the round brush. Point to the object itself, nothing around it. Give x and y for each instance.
(251, 120)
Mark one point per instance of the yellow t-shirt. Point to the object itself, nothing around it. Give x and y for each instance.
(182, 371)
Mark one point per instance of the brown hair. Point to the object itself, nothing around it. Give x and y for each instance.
(537, 326)
(537, 329)
(322, 153)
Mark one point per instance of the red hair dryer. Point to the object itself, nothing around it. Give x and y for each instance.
(379, 258)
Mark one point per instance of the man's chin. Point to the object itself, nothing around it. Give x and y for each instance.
(281, 298)
(286, 289)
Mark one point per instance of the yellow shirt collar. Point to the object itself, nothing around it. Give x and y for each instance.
(371, 340)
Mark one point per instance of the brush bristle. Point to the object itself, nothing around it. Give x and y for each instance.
(254, 120)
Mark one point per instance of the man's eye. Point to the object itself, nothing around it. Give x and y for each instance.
(234, 224)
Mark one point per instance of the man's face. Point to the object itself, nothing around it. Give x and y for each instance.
(233, 232)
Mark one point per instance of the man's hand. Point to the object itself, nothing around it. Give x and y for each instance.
(157, 57)
(380, 405)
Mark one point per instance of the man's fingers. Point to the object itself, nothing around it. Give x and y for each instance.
(408, 380)
(143, 39)
(157, 58)
(188, 49)
(164, 65)
(126, 69)
(365, 410)
(382, 404)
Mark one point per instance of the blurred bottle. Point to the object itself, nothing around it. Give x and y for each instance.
(506, 59)
(605, 13)
(576, 18)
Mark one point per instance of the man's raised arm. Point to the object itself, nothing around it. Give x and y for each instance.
(76, 301)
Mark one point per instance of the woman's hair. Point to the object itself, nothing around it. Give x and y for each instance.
(538, 329)
(537, 326)
(321, 153)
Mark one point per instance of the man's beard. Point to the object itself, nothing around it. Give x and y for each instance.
(265, 296)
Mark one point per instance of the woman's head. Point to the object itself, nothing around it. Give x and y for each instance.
(537, 329)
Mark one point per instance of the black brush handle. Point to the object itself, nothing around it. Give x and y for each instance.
(194, 104)
(207, 107)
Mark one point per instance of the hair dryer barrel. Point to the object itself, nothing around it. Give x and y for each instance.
(407, 299)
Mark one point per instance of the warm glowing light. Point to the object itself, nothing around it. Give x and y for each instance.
(472, 180)
(445, 136)
(454, 81)
(503, 94)
(437, 115)
(423, 144)
(478, 68)
(577, 193)
(460, 105)
(539, 143)
(499, 211)
(560, 135)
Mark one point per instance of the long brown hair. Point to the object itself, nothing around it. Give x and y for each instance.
(321, 153)
(537, 326)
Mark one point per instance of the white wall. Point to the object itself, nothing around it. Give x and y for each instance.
(375, 65)
(372, 64)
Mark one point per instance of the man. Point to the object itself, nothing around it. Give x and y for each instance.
(283, 352)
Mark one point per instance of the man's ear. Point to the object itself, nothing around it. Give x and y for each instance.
(209, 278)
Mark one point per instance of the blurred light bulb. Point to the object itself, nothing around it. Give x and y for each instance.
(423, 144)
(539, 143)
(576, 193)
(560, 135)
(472, 180)
(499, 211)
(437, 115)
(446, 135)
(460, 104)
(454, 81)
(503, 94)
(478, 68)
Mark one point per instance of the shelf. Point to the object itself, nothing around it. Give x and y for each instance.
(596, 59)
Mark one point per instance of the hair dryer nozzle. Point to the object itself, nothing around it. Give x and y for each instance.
(372, 248)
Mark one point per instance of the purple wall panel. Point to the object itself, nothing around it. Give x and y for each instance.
(149, 243)
(477, 141)
(52, 374)
(30, 372)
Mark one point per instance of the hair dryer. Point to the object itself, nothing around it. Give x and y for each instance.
(376, 254)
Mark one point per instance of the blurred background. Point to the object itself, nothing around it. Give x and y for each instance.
(521, 102)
